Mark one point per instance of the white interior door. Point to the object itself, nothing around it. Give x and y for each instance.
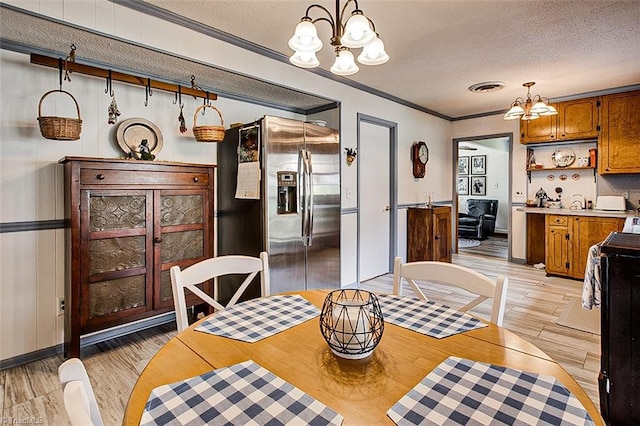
(374, 200)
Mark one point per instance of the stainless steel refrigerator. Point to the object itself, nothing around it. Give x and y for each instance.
(296, 216)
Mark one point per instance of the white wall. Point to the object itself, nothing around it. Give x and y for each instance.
(32, 263)
(497, 177)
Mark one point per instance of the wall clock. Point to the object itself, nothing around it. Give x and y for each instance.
(420, 156)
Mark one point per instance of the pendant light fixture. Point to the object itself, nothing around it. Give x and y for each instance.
(530, 109)
(357, 32)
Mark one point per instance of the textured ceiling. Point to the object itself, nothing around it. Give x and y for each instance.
(439, 48)
(55, 38)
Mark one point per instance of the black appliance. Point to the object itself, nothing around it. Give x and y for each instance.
(619, 378)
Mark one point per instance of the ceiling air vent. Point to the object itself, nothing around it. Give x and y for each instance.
(487, 86)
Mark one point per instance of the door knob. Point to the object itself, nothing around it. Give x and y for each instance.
(157, 240)
(387, 208)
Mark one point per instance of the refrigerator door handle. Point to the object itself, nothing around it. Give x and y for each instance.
(303, 173)
(311, 196)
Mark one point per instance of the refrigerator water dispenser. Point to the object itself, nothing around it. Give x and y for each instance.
(287, 192)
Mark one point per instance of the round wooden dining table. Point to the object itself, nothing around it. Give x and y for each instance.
(360, 390)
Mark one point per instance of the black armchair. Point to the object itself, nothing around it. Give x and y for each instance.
(480, 219)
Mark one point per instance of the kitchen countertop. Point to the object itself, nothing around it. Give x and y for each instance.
(584, 212)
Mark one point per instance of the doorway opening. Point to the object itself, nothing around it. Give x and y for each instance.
(377, 199)
(482, 200)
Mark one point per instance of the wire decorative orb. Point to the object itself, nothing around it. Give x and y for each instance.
(351, 322)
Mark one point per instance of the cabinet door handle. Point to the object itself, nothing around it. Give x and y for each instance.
(436, 237)
(196, 179)
(157, 240)
(101, 176)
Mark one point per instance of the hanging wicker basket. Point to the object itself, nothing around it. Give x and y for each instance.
(208, 133)
(59, 128)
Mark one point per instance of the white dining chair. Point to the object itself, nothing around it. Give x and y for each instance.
(211, 268)
(455, 275)
(79, 400)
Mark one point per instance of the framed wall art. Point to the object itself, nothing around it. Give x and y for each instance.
(463, 165)
(478, 164)
(463, 185)
(478, 185)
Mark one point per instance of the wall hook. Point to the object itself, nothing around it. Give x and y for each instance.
(194, 85)
(70, 58)
(109, 88)
(60, 72)
(176, 100)
(147, 92)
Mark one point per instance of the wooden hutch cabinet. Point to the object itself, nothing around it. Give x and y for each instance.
(130, 221)
(576, 120)
(429, 234)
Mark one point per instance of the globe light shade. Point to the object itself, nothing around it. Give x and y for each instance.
(357, 31)
(516, 111)
(508, 116)
(305, 37)
(304, 59)
(373, 53)
(344, 64)
(530, 116)
(550, 111)
(539, 107)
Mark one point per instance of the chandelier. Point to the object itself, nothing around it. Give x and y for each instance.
(530, 109)
(357, 32)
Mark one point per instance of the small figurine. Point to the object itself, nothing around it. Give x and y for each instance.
(541, 197)
(145, 151)
(351, 155)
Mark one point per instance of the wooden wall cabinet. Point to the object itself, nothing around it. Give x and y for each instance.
(576, 120)
(618, 145)
(429, 234)
(130, 222)
(568, 238)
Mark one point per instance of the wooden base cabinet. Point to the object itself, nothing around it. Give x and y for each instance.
(568, 238)
(429, 234)
(130, 222)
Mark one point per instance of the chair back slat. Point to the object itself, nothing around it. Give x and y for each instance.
(456, 275)
(213, 268)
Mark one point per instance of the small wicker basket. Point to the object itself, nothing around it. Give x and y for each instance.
(59, 128)
(208, 133)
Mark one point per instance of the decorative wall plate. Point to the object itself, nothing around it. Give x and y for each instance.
(563, 177)
(563, 157)
(575, 176)
(133, 130)
(550, 177)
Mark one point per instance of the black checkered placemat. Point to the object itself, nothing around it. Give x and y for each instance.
(426, 317)
(461, 391)
(243, 394)
(256, 319)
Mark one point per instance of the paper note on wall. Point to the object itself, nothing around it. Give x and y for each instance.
(248, 185)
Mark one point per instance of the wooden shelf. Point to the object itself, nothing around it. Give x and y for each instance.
(562, 168)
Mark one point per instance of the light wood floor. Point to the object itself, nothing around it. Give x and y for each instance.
(534, 303)
(493, 246)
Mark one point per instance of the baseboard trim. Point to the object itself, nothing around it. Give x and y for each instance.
(89, 339)
(123, 330)
(19, 360)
